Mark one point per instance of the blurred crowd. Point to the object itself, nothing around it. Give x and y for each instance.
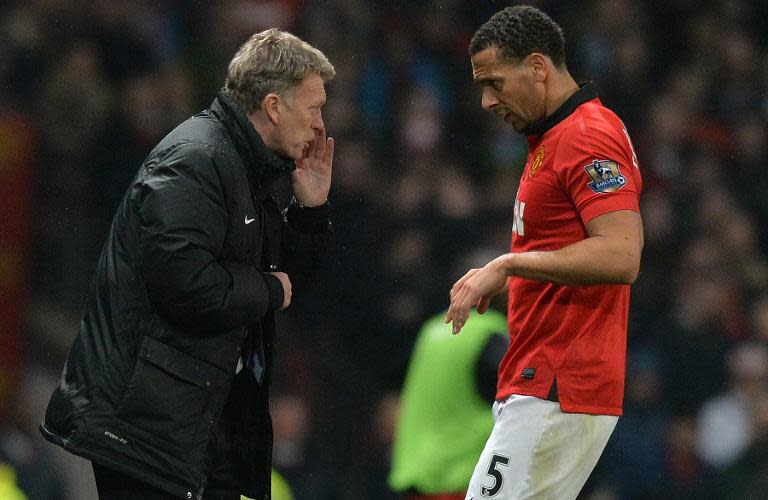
(424, 188)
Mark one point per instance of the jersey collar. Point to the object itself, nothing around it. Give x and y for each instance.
(587, 91)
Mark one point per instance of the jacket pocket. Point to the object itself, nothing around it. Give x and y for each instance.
(167, 396)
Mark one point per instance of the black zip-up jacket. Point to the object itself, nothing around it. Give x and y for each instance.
(180, 284)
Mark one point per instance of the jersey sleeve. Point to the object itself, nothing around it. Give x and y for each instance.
(595, 166)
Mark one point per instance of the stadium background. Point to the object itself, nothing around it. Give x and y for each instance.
(424, 185)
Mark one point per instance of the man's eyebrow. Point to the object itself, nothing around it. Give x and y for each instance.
(486, 80)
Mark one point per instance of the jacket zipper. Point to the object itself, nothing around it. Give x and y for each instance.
(261, 232)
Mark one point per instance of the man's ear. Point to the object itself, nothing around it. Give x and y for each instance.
(538, 65)
(270, 106)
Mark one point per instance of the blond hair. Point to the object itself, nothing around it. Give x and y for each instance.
(272, 61)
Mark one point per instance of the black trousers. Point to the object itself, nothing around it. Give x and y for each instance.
(113, 485)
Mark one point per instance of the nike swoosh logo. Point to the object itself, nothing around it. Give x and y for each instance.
(248, 221)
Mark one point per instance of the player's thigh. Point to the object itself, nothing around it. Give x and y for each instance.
(566, 455)
(502, 469)
(536, 451)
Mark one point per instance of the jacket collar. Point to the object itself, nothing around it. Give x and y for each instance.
(587, 91)
(264, 166)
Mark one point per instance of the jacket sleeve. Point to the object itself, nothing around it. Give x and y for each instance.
(182, 227)
(306, 235)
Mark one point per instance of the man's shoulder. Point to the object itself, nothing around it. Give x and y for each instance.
(199, 134)
(592, 126)
(594, 115)
(194, 149)
(198, 142)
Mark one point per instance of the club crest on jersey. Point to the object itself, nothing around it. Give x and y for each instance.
(606, 176)
(537, 161)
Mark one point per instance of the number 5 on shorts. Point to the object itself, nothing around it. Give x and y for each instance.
(498, 479)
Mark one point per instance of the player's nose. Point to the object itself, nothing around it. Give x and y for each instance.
(489, 100)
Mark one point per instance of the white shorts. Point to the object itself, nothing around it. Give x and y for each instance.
(535, 451)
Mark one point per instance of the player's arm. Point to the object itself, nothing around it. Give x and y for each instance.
(610, 254)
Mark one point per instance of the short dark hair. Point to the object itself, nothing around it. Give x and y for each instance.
(518, 31)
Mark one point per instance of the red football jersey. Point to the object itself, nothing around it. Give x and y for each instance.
(581, 164)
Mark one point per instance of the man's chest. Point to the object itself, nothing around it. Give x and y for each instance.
(545, 216)
(253, 226)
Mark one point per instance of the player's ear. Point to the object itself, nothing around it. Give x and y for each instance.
(537, 62)
(270, 106)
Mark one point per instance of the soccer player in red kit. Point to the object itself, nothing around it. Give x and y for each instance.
(576, 245)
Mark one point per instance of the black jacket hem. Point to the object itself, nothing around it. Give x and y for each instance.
(136, 471)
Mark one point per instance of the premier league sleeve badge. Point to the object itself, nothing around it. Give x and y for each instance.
(606, 176)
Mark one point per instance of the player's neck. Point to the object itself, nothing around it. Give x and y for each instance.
(563, 86)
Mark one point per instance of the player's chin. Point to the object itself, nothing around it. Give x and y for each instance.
(516, 123)
(519, 126)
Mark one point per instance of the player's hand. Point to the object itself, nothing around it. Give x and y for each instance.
(312, 177)
(476, 288)
(287, 288)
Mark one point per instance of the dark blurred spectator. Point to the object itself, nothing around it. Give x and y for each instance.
(75, 102)
(631, 468)
(747, 477)
(705, 323)
(726, 422)
(759, 318)
(685, 477)
(292, 454)
(367, 474)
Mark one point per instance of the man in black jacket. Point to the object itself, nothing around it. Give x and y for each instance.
(166, 387)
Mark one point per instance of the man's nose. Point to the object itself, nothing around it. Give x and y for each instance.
(318, 125)
(489, 100)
